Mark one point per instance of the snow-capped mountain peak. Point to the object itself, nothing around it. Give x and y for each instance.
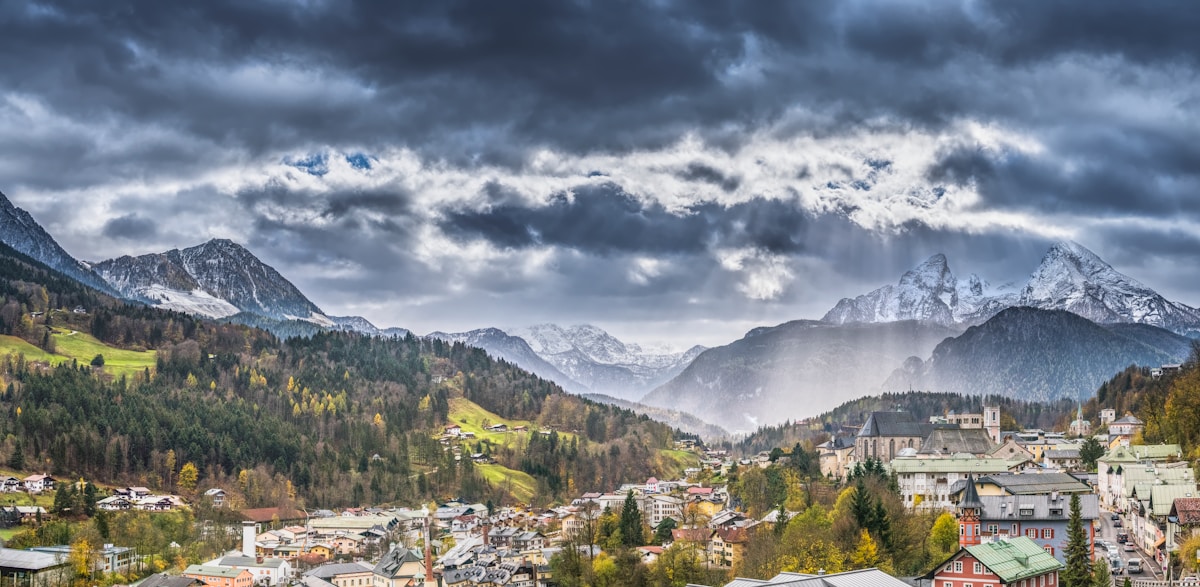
(1070, 277)
(928, 292)
(216, 279)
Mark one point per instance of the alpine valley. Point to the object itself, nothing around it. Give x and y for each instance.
(1068, 328)
(1074, 323)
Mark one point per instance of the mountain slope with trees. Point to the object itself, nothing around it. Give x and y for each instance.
(333, 419)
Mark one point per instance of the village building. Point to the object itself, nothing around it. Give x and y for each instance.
(220, 576)
(928, 483)
(344, 574)
(1018, 562)
(35, 569)
(860, 578)
(836, 456)
(945, 442)
(1041, 518)
(109, 558)
(1111, 467)
(885, 434)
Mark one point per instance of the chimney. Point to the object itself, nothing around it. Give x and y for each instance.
(248, 533)
(485, 533)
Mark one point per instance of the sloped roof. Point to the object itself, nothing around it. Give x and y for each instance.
(1142, 452)
(948, 441)
(1058, 453)
(163, 580)
(1128, 419)
(1015, 559)
(214, 571)
(263, 515)
(952, 465)
(1008, 507)
(970, 499)
(394, 559)
(328, 571)
(1032, 483)
(11, 558)
(894, 424)
(732, 535)
(860, 578)
(1162, 497)
(1186, 510)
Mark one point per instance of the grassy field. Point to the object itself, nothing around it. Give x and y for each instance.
(117, 362)
(12, 344)
(675, 461)
(521, 485)
(473, 418)
(69, 344)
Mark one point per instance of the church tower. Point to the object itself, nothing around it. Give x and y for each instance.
(991, 422)
(969, 509)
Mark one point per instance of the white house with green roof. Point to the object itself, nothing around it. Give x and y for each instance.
(1110, 467)
(928, 483)
(1017, 562)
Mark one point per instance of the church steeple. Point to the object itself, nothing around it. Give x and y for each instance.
(969, 509)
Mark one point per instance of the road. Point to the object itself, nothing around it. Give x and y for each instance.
(1151, 569)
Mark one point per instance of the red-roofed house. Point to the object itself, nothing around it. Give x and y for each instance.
(649, 554)
(1184, 519)
(700, 490)
(727, 545)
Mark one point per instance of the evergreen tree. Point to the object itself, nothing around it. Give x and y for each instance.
(89, 499)
(1101, 576)
(630, 523)
(662, 534)
(1090, 451)
(1079, 567)
(17, 459)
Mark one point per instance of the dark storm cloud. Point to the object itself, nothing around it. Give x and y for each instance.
(148, 93)
(576, 75)
(605, 219)
(130, 227)
(711, 175)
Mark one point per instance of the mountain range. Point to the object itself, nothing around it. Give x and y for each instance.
(1074, 323)
(1070, 277)
(1069, 326)
(581, 358)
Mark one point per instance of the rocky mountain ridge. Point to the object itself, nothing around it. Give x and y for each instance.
(1070, 277)
(19, 230)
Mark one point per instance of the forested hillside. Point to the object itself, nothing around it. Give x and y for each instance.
(335, 419)
(1169, 404)
(1014, 414)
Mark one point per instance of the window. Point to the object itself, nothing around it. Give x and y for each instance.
(957, 566)
(1031, 532)
(1048, 533)
(1050, 549)
(992, 528)
(978, 568)
(1016, 530)
(947, 584)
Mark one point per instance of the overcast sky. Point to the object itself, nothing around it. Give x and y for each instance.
(668, 171)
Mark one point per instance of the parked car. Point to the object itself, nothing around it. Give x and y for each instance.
(1134, 566)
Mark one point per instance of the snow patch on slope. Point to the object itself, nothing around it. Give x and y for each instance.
(198, 302)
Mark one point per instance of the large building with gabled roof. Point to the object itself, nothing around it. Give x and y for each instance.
(885, 434)
(1016, 561)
